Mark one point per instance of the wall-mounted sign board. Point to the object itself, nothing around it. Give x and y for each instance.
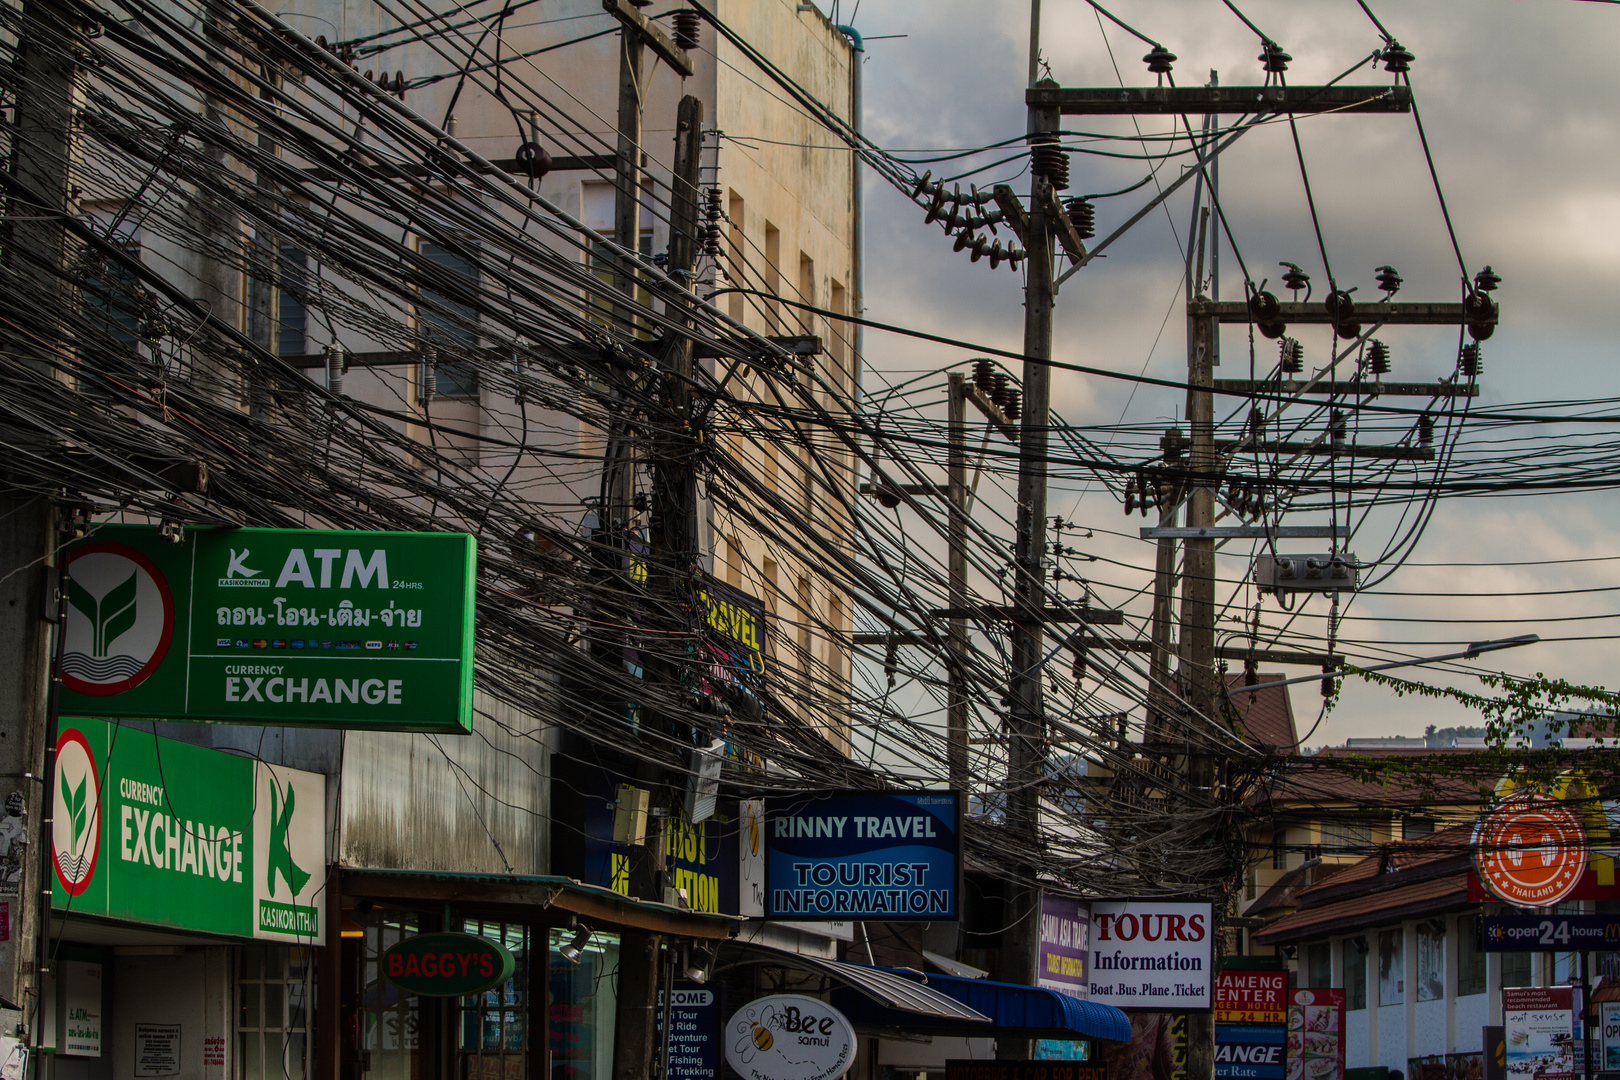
(447, 964)
(299, 627)
(156, 831)
(894, 856)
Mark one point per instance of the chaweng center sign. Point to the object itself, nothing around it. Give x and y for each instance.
(156, 831)
(272, 626)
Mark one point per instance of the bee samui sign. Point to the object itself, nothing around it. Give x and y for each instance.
(447, 964)
(789, 1037)
(305, 627)
(151, 830)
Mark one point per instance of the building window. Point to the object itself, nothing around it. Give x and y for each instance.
(292, 316)
(1319, 964)
(584, 1003)
(1516, 968)
(1346, 837)
(389, 1032)
(1470, 957)
(112, 297)
(1431, 961)
(773, 277)
(1355, 973)
(447, 315)
(1279, 850)
(494, 1034)
(274, 992)
(1392, 967)
(1414, 827)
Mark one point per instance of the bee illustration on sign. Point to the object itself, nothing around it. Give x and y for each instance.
(755, 1032)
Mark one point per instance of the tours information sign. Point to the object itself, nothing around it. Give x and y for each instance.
(303, 627)
(151, 830)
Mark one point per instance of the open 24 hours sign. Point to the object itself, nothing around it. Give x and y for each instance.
(151, 830)
(314, 628)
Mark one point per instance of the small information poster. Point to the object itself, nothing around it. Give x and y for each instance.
(1540, 1032)
(1316, 1035)
(1251, 997)
(1610, 1055)
(694, 1032)
(157, 1049)
(81, 999)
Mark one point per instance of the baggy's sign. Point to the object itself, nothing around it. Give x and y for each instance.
(447, 964)
(1151, 954)
(789, 1037)
(300, 627)
(156, 831)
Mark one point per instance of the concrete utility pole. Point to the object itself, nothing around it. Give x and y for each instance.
(1047, 103)
(1027, 735)
(35, 254)
(956, 703)
(673, 559)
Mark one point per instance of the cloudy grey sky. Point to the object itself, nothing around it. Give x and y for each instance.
(1520, 102)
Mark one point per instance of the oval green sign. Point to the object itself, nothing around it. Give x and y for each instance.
(447, 965)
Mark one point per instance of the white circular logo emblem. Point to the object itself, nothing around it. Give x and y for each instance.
(76, 824)
(120, 619)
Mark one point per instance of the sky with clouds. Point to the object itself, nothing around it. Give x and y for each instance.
(1519, 99)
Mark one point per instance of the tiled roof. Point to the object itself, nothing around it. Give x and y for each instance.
(1406, 879)
(1285, 891)
(1328, 777)
(1265, 717)
(1431, 897)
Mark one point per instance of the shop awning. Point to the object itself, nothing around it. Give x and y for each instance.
(879, 989)
(517, 896)
(1031, 1011)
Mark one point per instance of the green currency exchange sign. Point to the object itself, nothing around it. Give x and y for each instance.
(151, 830)
(316, 628)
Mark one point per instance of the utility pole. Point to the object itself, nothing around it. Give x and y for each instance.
(1027, 716)
(956, 703)
(36, 255)
(672, 562)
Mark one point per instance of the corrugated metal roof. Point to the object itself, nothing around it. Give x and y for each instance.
(887, 988)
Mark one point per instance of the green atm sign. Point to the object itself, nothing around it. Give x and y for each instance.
(314, 628)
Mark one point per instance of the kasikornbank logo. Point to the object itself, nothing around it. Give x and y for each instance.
(76, 828)
(120, 619)
(239, 576)
(288, 843)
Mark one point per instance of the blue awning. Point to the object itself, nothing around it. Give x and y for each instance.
(1027, 1010)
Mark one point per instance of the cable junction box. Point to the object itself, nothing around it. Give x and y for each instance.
(1307, 573)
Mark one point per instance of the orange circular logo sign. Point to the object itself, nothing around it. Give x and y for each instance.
(1530, 851)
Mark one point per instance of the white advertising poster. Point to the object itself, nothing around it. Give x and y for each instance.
(751, 858)
(81, 1001)
(1610, 1053)
(789, 1037)
(1152, 955)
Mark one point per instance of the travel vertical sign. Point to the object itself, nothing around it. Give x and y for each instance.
(151, 830)
(303, 627)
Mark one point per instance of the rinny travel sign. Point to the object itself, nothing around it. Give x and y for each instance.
(156, 831)
(314, 628)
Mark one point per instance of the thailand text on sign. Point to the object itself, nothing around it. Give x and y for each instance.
(1530, 850)
(152, 830)
(1064, 964)
(1151, 954)
(285, 626)
(859, 855)
(1251, 997)
(1548, 933)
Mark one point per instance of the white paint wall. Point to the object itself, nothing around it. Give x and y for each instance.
(190, 987)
